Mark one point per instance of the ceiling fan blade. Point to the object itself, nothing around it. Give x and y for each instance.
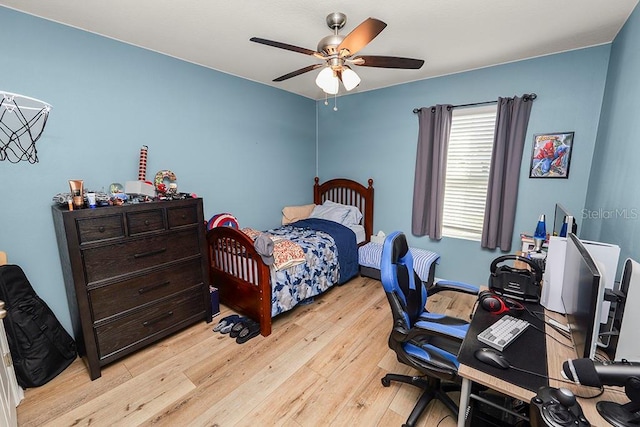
(361, 36)
(387, 62)
(285, 46)
(298, 72)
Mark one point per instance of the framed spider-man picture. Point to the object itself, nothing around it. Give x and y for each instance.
(551, 156)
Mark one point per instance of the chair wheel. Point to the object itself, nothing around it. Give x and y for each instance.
(385, 382)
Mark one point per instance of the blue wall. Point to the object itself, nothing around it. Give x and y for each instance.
(374, 134)
(251, 149)
(244, 147)
(612, 210)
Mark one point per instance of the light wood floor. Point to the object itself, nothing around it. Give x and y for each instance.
(321, 366)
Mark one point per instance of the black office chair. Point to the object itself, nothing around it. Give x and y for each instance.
(428, 342)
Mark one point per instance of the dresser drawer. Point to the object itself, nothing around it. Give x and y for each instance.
(145, 221)
(134, 328)
(138, 254)
(178, 217)
(102, 228)
(110, 300)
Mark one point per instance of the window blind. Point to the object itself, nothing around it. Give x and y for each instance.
(467, 173)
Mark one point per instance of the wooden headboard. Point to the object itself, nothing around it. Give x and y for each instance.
(348, 192)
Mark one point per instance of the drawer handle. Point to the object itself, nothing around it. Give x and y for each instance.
(157, 319)
(101, 229)
(146, 222)
(152, 287)
(150, 253)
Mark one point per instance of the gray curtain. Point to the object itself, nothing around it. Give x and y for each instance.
(508, 145)
(431, 161)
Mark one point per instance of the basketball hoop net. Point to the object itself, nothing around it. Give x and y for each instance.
(22, 121)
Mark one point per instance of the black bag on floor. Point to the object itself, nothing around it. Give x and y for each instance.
(40, 347)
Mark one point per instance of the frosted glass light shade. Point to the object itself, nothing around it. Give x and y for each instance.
(350, 79)
(327, 81)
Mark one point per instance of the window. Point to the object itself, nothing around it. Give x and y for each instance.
(467, 176)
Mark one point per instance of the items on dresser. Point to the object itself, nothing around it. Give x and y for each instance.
(133, 274)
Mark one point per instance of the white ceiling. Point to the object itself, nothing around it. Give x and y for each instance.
(450, 35)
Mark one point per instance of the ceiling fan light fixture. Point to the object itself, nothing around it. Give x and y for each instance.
(337, 50)
(350, 79)
(327, 81)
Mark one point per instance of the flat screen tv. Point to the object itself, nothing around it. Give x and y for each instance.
(563, 222)
(582, 296)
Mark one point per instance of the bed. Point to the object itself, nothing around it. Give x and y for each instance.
(246, 284)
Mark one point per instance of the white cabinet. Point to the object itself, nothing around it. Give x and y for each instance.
(10, 392)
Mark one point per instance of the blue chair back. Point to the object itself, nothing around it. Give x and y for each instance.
(428, 342)
(398, 277)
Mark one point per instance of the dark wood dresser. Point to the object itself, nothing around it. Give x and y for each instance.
(133, 274)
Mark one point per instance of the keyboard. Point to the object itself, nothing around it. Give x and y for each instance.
(503, 332)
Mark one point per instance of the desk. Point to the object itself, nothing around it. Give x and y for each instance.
(556, 355)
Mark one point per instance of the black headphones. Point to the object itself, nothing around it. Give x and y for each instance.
(497, 304)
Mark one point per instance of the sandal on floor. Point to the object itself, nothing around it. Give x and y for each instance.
(238, 326)
(229, 320)
(229, 328)
(251, 329)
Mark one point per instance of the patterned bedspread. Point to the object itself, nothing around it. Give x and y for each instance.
(286, 253)
(320, 271)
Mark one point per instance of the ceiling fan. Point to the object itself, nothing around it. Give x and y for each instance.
(338, 53)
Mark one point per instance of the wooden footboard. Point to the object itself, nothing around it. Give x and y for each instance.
(242, 279)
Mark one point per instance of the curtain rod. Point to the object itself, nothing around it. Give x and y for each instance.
(526, 97)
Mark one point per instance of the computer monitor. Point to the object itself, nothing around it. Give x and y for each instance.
(582, 296)
(563, 222)
(625, 344)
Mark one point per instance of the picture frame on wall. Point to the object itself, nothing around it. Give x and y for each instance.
(551, 155)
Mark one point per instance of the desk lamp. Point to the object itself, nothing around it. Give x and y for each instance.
(540, 235)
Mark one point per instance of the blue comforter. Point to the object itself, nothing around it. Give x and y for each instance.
(331, 255)
(345, 240)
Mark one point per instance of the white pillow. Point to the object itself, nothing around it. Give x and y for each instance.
(353, 217)
(331, 213)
